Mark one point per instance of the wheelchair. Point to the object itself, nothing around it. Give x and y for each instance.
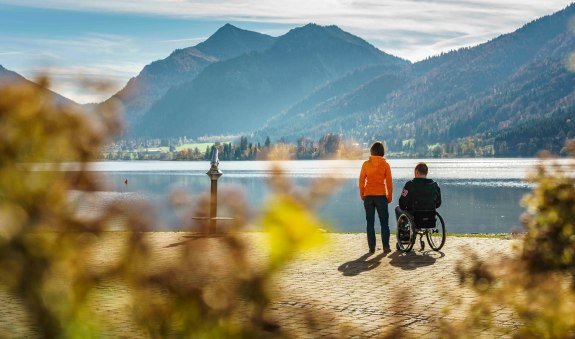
(426, 223)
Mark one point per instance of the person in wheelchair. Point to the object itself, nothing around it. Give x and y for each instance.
(419, 194)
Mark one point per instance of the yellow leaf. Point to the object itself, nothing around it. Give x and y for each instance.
(290, 227)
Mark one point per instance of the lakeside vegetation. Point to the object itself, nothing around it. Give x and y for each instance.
(329, 146)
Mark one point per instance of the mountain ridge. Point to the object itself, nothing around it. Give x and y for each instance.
(298, 61)
(183, 65)
(469, 94)
(10, 77)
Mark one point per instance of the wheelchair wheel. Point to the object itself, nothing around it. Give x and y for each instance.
(405, 233)
(436, 236)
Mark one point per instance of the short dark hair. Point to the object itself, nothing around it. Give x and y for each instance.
(421, 168)
(377, 149)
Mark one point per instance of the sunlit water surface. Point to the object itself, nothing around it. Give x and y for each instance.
(479, 195)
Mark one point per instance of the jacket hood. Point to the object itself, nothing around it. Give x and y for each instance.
(424, 180)
(376, 158)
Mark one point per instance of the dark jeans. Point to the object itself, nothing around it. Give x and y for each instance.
(379, 203)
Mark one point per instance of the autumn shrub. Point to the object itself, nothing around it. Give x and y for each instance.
(536, 284)
(55, 265)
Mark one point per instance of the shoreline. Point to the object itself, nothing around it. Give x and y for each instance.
(502, 236)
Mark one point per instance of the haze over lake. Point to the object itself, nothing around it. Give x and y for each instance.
(479, 195)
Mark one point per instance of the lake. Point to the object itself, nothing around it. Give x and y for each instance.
(479, 195)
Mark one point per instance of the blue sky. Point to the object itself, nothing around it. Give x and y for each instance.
(112, 40)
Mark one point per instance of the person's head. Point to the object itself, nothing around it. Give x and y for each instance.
(421, 170)
(377, 149)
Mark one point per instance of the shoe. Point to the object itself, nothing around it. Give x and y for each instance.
(371, 251)
(386, 249)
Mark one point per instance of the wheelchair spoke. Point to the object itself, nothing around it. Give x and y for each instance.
(406, 233)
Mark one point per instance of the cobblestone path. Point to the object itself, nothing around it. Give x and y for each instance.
(349, 292)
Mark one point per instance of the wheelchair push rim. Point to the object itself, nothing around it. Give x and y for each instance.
(436, 236)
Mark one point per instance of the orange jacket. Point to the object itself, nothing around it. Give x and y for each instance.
(375, 178)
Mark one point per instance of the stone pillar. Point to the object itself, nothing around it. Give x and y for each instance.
(214, 173)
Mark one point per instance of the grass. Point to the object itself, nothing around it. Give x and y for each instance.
(255, 230)
(455, 235)
(481, 235)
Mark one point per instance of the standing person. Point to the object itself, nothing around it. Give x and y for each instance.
(376, 191)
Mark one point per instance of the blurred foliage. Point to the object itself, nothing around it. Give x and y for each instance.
(53, 263)
(550, 241)
(300, 228)
(46, 271)
(537, 284)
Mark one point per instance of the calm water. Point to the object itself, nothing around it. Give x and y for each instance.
(479, 195)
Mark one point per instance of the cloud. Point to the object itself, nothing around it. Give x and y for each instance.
(102, 72)
(10, 53)
(93, 41)
(59, 48)
(95, 57)
(68, 80)
(412, 29)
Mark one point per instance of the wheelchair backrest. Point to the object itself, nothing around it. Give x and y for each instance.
(424, 219)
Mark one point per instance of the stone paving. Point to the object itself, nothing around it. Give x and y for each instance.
(349, 292)
(372, 294)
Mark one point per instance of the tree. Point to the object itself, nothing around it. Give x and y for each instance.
(267, 143)
(197, 154)
(237, 154)
(329, 145)
(243, 144)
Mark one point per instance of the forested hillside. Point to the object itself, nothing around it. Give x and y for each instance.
(241, 94)
(487, 100)
(467, 101)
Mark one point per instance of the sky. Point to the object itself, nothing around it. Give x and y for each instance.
(112, 40)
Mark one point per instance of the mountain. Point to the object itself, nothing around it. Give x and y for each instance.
(357, 91)
(241, 94)
(483, 97)
(229, 42)
(184, 65)
(8, 77)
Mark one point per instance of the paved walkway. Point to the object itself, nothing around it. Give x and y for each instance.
(374, 294)
(350, 292)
